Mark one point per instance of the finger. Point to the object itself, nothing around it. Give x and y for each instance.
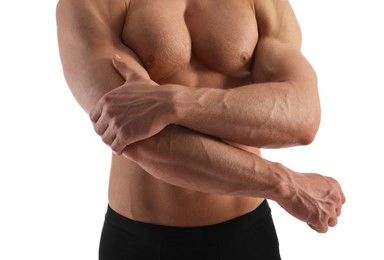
(340, 191)
(338, 211)
(109, 136)
(312, 226)
(332, 222)
(320, 228)
(95, 113)
(118, 146)
(343, 199)
(121, 66)
(100, 126)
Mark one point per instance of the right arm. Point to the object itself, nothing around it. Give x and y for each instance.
(87, 41)
(88, 35)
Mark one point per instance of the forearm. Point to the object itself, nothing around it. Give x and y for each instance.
(272, 114)
(194, 161)
(178, 155)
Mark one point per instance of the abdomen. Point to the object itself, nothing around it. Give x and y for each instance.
(137, 195)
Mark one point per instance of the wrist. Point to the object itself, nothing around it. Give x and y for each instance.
(181, 99)
(277, 182)
(284, 182)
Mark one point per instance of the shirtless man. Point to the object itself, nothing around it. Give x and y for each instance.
(186, 93)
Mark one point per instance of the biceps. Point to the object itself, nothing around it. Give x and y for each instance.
(86, 48)
(90, 73)
(278, 61)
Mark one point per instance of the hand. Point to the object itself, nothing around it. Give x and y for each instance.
(314, 199)
(132, 112)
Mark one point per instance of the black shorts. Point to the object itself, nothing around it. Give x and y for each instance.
(251, 236)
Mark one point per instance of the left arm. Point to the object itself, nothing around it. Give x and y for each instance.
(280, 109)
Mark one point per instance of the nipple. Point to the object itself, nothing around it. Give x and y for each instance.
(245, 57)
(149, 62)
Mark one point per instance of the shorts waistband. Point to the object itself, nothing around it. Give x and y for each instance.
(216, 231)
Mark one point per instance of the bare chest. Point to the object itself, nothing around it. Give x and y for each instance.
(169, 35)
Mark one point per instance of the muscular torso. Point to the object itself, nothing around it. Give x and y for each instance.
(198, 44)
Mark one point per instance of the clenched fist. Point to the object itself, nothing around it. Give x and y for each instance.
(312, 198)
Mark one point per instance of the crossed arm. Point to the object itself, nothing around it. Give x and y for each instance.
(88, 39)
(280, 109)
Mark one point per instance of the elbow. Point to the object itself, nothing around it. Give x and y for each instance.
(309, 128)
(308, 136)
(310, 115)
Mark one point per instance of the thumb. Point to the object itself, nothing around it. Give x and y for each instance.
(121, 66)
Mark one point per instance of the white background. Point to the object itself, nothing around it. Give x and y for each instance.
(54, 169)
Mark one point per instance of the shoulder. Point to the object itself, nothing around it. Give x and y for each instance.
(94, 3)
(101, 8)
(275, 14)
(91, 18)
(276, 18)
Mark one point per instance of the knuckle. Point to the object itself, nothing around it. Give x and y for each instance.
(109, 111)
(106, 139)
(324, 229)
(333, 222)
(118, 123)
(107, 98)
(95, 114)
(324, 219)
(99, 130)
(92, 116)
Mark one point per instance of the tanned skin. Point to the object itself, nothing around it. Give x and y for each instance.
(185, 93)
